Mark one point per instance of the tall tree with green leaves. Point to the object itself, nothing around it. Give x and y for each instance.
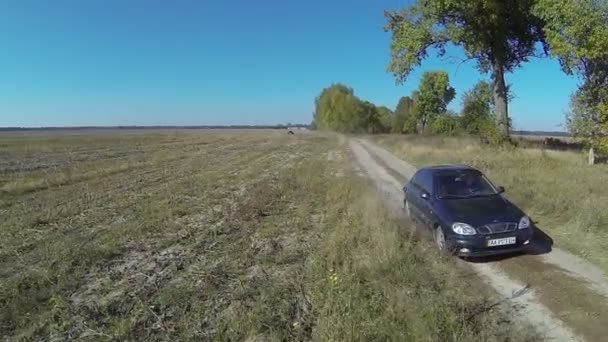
(338, 109)
(498, 34)
(402, 113)
(577, 34)
(432, 98)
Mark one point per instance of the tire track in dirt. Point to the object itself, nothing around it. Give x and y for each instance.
(522, 299)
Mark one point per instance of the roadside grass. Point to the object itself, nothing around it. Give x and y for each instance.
(563, 195)
(218, 237)
(382, 283)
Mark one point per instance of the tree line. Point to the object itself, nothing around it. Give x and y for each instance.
(500, 36)
(425, 111)
(338, 109)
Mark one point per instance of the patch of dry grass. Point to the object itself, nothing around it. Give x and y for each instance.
(194, 237)
(381, 283)
(156, 250)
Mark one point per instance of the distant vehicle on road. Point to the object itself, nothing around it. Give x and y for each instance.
(465, 212)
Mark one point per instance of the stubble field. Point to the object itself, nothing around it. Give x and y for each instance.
(229, 236)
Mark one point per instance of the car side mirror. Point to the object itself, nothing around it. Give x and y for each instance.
(425, 195)
(501, 189)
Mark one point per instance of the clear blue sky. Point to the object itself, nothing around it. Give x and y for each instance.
(146, 62)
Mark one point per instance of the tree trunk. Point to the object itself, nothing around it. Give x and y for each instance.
(423, 128)
(500, 100)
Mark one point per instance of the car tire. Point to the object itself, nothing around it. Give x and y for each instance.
(440, 239)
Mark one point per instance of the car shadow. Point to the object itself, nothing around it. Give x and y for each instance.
(541, 243)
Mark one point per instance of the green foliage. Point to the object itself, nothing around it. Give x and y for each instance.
(386, 118)
(445, 124)
(575, 31)
(432, 98)
(498, 34)
(402, 114)
(411, 124)
(577, 34)
(338, 109)
(477, 108)
(490, 31)
(478, 116)
(368, 118)
(489, 133)
(585, 121)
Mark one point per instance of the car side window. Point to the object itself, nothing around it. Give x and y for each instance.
(415, 181)
(426, 182)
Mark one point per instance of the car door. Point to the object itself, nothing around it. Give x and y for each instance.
(425, 207)
(412, 196)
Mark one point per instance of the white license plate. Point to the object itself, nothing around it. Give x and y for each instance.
(501, 242)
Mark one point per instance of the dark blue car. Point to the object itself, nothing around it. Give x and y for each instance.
(465, 212)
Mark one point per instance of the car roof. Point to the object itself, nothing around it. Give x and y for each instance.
(452, 167)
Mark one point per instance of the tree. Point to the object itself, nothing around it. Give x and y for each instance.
(402, 112)
(338, 109)
(446, 123)
(386, 118)
(499, 34)
(368, 117)
(477, 108)
(583, 120)
(432, 98)
(577, 34)
(411, 124)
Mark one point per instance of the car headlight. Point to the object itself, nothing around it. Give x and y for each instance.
(463, 229)
(524, 223)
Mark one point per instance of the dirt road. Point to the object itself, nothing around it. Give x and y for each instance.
(561, 295)
(594, 277)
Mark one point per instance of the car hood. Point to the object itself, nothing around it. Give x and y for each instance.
(478, 211)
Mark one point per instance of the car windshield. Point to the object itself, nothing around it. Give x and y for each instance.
(462, 184)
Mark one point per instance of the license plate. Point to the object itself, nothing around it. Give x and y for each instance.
(501, 242)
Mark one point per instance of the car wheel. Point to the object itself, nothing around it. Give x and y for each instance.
(440, 239)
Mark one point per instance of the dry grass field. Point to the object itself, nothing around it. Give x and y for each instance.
(186, 236)
(564, 196)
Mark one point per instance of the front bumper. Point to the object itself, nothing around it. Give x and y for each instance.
(477, 245)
